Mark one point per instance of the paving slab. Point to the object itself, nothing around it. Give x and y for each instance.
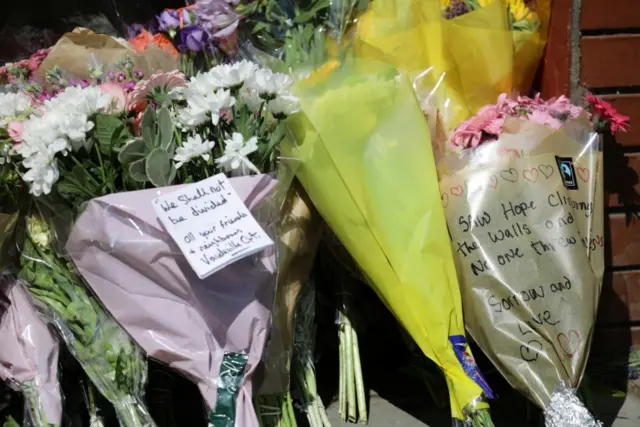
(386, 414)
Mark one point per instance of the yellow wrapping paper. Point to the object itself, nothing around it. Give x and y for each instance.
(366, 162)
(457, 65)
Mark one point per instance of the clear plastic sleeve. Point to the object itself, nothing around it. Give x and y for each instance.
(213, 330)
(29, 355)
(299, 228)
(367, 165)
(109, 357)
(525, 214)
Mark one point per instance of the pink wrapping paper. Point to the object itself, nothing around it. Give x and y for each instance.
(142, 278)
(28, 350)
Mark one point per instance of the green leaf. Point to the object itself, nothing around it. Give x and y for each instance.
(149, 128)
(137, 170)
(134, 150)
(105, 130)
(159, 168)
(10, 422)
(165, 128)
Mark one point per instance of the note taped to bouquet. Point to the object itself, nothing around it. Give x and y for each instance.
(211, 224)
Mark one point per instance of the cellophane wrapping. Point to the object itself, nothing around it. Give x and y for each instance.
(109, 357)
(457, 65)
(29, 355)
(525, 215)
(368, 167)
(214, 330)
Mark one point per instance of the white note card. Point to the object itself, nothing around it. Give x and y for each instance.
(211, 224)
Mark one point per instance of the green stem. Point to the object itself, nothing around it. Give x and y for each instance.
(362, 402)
(342, 389)
(351, 385)
(77, 162)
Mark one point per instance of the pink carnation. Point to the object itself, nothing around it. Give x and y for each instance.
(160, 83)
(15, 131)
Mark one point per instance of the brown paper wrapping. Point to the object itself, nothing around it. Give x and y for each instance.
(77, 50)
(299, 238)
(530, 252)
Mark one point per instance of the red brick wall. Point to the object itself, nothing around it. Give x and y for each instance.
(609, 64)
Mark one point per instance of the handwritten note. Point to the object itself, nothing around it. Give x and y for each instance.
(523, 242)
(211, 225)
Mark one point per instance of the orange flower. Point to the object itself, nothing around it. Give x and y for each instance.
(144, 38)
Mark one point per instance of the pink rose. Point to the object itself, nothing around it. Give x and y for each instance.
(15, 131)
(118, 97)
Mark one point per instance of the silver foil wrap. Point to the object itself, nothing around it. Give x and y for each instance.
(566, 410)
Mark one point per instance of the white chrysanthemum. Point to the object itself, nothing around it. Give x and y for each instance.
(76, 100)
(251, 99)
(284, 105)
(235, 158)
(218, 102)
(234, 75)
(269, 84)
(64, 119)
(199, 107)
(201, 84)
(43, 173)
(13, 105)
(191, 148)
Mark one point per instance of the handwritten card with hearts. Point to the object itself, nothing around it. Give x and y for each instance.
(528, 248)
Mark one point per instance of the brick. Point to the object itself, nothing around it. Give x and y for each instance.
(620, 299)
(610, 61)
(609, 14)
(624, 244)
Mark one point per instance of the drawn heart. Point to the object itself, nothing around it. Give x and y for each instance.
(599, 241)
(546, 170)
(509, 152)
(530, 351)
(445, 199)
(570, 342)
(583, 173)
(510, 175)
(530, 174)
(457, 190)
(493, 181)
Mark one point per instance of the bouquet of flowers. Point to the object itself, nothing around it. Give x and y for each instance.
(463, 63)
(200, 34)
(29, 355)
(523, 195)
(93, 162)
(363, 162)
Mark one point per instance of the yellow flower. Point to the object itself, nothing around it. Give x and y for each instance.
(445, 3)
(519, 10)
(38, 232)
(484, 3)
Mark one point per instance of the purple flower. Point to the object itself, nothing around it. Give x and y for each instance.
(133, 30)
(456, 8)
(192, 38)
(170, 19)
(218, 17)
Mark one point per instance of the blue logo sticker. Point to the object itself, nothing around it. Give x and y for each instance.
(567, 172)
(461, 348)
